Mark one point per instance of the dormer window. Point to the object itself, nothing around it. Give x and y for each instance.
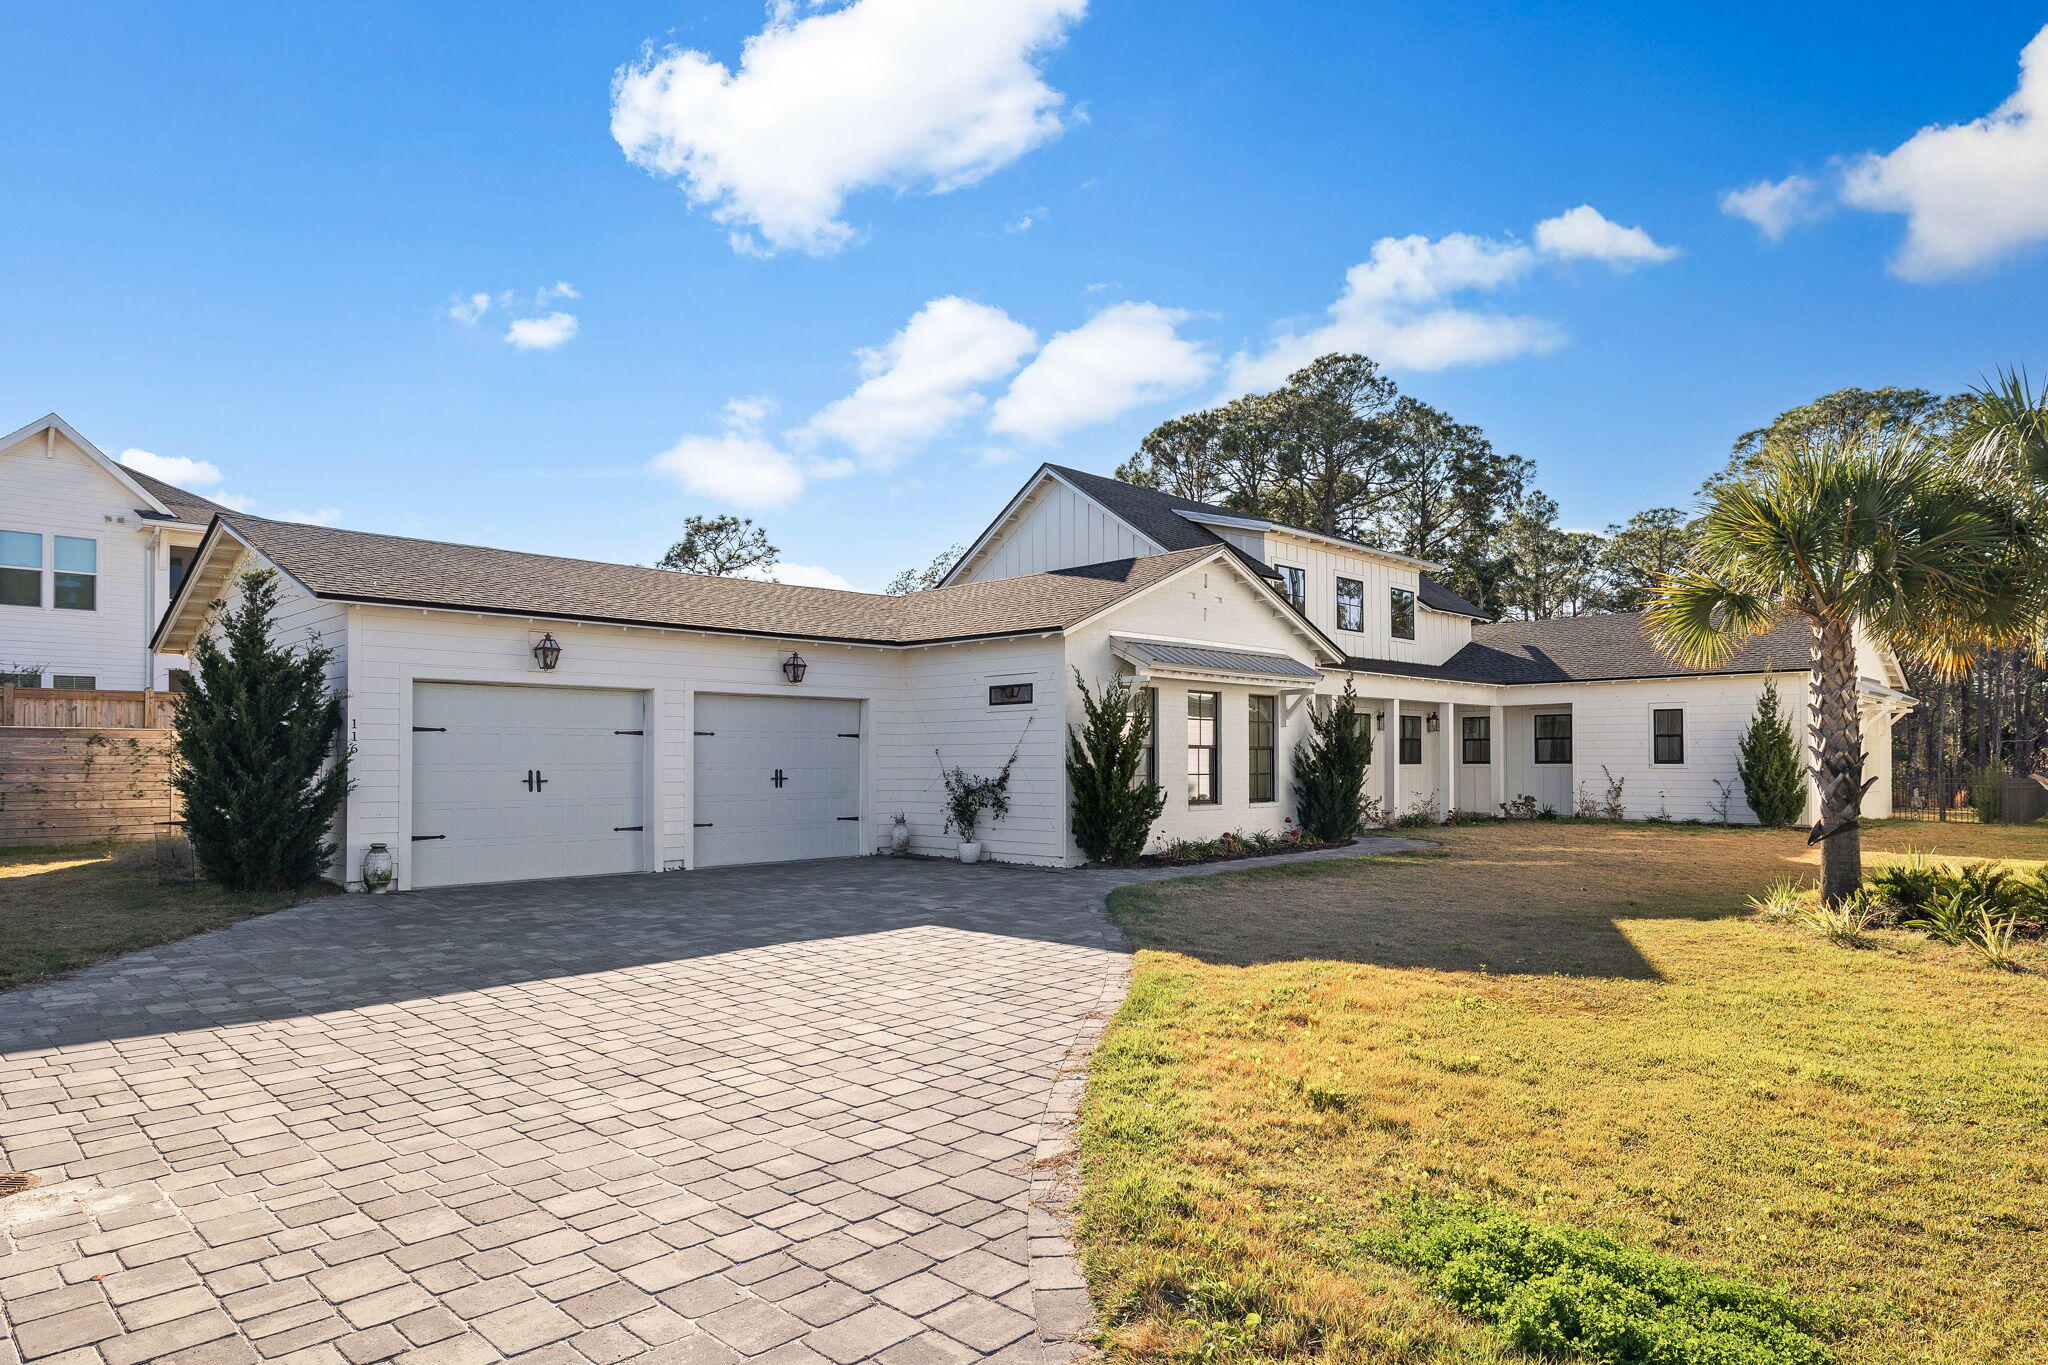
(1402, 613)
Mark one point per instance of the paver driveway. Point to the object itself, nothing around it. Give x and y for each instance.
(784, 1114)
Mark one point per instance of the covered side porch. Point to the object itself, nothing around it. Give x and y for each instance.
(1443, 747)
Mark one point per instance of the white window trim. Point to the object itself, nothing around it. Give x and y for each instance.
(41, 571)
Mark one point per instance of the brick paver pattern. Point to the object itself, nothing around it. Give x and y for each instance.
(781, 1114)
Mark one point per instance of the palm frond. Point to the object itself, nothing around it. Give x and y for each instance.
(1700, 620)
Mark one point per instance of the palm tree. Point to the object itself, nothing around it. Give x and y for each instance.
(1873, 528)
(2003, 434)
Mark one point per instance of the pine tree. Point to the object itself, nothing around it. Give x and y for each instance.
(1113, 805)
(257, 764)
(1330, 768)
(1767, 761)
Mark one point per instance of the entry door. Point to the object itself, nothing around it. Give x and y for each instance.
(777, 778)
(516, 783)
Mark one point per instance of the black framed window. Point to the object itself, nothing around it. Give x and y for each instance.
(1401, 613)
(1148, 704)
(77, 682)
(1009, 694)
(20, 677)
(21, 569)
(1476, 735)
(1350, 604)
(1260, 735)
(1553, 738)
(1294, 582)
(181, 680)
(1411, 739)
(1667, 736)
(1202, 767)
(181, 564)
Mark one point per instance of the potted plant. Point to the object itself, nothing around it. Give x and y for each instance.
(967, 796)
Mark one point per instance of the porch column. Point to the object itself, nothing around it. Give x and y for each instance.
(1497, 756)
(1389, 741)
(1447, 756)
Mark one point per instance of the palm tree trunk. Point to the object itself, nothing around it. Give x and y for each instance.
(1838, 762)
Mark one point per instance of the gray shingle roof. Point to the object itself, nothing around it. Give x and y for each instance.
(1158, 516)
(1590, 649)
(362, 566)
(189, 506)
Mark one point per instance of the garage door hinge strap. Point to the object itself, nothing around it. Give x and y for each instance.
(629, 732)
(426, 729)
(849, 817)
(621, 829)
(703, 732)
(702, 824)
(849, 734)
(422, 838)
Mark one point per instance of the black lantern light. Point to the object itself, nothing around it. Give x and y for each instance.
(794, 667)
(1434, 724)
(548, 653)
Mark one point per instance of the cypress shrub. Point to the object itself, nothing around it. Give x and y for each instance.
(1113, 805)
(1330, 769)
(1767, 761)
(257, 764)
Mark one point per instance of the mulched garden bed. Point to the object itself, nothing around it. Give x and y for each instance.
(1242, 854)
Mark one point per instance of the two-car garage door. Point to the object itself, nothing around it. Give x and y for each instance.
(518, 783)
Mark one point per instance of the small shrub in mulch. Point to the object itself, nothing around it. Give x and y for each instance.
(1231, 847)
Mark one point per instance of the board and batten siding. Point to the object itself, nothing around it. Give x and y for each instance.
(1057, 528)
(905, 733)
(1438, 635)
(58, 490)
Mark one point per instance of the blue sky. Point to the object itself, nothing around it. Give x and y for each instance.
(239, 235)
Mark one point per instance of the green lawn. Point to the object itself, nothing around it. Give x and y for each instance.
(63, 908)
(1581, 1024)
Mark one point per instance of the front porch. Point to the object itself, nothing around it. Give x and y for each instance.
(1436, 755)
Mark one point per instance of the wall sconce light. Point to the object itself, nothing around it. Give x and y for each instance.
(548, 653)
(1379, 720)
(794, 667)
(1434, 723)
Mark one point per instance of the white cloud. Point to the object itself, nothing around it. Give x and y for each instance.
(1585, 233)
(1973, 193)
(926, 378)
(1777, 206)
(471, 309)
(548, 293)
(541, 333)
(1392, 309)
(234, 502)
(1030, 219)
(932, 94)
(325, 516)
(737, 466)
(1128, 354)
(177, 469)
(802, 575)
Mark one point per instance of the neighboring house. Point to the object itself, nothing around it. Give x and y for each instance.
(90, 554)
(692, 721)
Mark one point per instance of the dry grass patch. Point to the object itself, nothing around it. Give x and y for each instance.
(63, 908)
(1578, 1023)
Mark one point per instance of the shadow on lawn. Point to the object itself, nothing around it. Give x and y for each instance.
(1531, 911)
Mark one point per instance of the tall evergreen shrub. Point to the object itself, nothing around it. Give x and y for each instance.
(1113, 804)
(257, 763)
(1330, 769)
(1767, 761)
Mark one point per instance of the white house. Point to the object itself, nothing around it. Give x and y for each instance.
(688, 721)
(90, 553)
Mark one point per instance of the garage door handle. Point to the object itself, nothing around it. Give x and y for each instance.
(422, 838)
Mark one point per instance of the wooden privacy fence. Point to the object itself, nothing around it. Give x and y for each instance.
(65, 785)
(77, 709)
